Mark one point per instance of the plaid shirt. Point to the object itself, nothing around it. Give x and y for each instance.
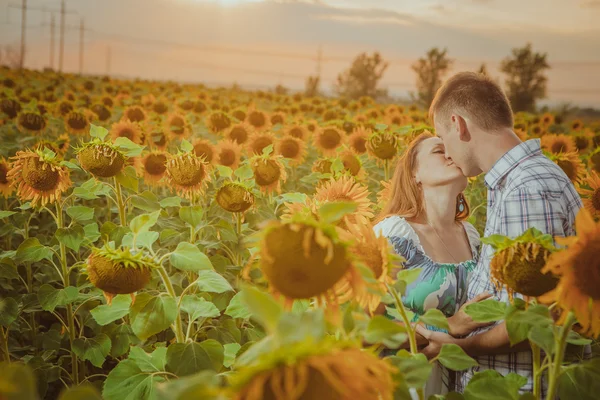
(525, 189)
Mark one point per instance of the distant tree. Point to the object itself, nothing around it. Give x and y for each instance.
(526, 80)
(10, 56)
(430, 70)
(280, 89)
(362, 78)
(311, 86)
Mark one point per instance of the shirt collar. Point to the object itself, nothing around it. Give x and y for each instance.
(510, 160)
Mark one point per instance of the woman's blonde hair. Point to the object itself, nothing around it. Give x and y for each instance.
(406, 199)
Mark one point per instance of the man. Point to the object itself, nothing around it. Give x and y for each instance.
(473, 117)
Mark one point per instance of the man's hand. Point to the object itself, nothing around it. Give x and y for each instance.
(436, 341)
(461, 323)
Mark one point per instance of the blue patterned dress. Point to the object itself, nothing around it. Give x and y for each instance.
(439, 285)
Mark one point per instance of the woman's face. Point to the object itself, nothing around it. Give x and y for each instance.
(434, 169)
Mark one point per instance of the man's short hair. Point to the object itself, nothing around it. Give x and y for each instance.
(475, 96)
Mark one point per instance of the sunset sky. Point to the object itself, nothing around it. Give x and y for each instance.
(262, 43)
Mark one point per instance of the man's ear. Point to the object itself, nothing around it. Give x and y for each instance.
(461, 127)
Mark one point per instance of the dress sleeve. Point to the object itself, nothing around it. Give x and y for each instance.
(395, 226)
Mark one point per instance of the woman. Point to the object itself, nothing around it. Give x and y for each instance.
(424, 220)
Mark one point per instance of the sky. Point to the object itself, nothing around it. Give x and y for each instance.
(261, 43)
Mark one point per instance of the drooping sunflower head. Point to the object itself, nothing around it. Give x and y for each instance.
(177, 126)
(578, 267)
(234, 197)
(582, 142)
(151, 166)
(327, 140)
(38, 176)
(269, 172)
(258, 119)
(154, 135)
(6, 188)
(187, 174)
(127, 129)
(228, 153)
(134, 114)
(570, 163)
(10, 107)
(77, 123)
(218, 121)
(346, 188)
(101, 159)
(518, 263)
(558, 143)
(322, 165)
(352, 163)
(589, 189)
(309, 370)
(119, 271)
(31, 123)
(291, 148)
(204, 149)
(383, 145)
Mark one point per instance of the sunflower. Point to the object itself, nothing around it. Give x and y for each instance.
(31, 123)
(345, 188)
(218, 121)
(322, 166)
(384, 194)
(6, 188)
(291, 148)
(358, 139)
(352, 164)
(199, 107)
(234, 197)
(204, 149)
(127, 129)
(258, 119)
(186, 105)
(186, 174)
(395, 119)
(102, 112)
(547, 119)
(10, 107)
(591, 197)
(297, 131)
(537, 131)
(119, 271)
(259, 141)
(571, 164)
(312, 126)
(103, 160)
(521, 133)
(39, 177)
(240, 133)
(228, 153)
(578, 268)
(594, 161)
(558, 143)
(47, 144)
(134, 114)
(177, 126)
(151, 166)
(77, 123)
(277, 118)
(576, 125)
(269, 172)
(328, 139)
(517, 263)
(582, 142)
(160, 107)
(383, 145)
(239, 114)
(306, 370)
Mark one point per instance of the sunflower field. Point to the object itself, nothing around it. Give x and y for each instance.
(173, 241)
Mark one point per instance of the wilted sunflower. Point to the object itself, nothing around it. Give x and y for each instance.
(126, 129)
(383, 145)
(329, 369)
(297, 131)
(228, 153)
(6, 188)
(571, 164)
(352, 164)
(591, 197)
(518, 263)
(258, 119)
(578, 267)
(177, 126)
(291, 148)
(31, 123)
(134, 114)
(328, 139)
(558, 143)
(154, 135)
(259, 141)
(152, 166)
(345, 188)
(101, 159)
(269, 172)
(186, 174)
(119, 271)
(10, 107)
(234, 197)
(39, 177)
(77, 123)
(204, 149)
(358, 139)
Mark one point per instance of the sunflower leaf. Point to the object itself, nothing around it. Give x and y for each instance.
(190, 358)
(453, 357)
(488, 310)
(188, 257)
(31, 250)
(128, 148)
(99, 132)
(435, 317)
(81, 392)
(95, 349)
(263, 307)
(383, 330)
(186, 146)
(211, 281)
(9, 311)
(334, 211)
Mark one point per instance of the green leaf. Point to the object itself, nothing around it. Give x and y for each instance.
(408, 275)
(121, 337)
(71, 237)
(152, 314)
(237, 309)
(128, 178)
(263, 307)
(99, 132)
(17, 382)
(170, 202)
(188, 257)
(520, 322)
(435, 317)
(490, 385)
(81, 392)
(198, 307)
(212, 281)
(147, 239)
(293, 197)
(189, 358)
(224, 171)
(543, 337)
(91, 232)
(31, 250)
(70, 165)
(576, 339)
(453, 357)
(191, 215)
(205, 385)
(186, 146)
(383, 330)
(50, 297)
(9, 311)
(136, 378)
(91, 189)
(127, 147)
(146, 201)
(580, 381)
(231, 350)
(488, 310)
(105, 314)
(80, 213)
(144, 222)
(6, 214)
(334, 211)
(244, 172)
(93, 349)
(414, 369)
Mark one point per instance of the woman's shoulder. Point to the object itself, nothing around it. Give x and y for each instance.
(394, 225)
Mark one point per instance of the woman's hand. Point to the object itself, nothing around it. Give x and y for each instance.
(461, 323)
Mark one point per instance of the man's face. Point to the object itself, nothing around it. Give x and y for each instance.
(457, 149)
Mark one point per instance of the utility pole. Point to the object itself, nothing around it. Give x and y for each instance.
(52, 40)
(62, 36)
(81, 30)
(107, 60)
(23, 29)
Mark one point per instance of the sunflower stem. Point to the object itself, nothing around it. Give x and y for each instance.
(4, 338)
(178, 325)
(238, 231)
(400, 307)
(536, 354)
(386, 170)
(561, 344)
(120, 203)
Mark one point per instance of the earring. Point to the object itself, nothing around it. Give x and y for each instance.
(461, 203)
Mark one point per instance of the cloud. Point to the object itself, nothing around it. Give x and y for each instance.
(358, 19)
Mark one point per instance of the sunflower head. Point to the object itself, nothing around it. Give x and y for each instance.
(570, 163)
(228, 153)
(547, 119)
(239, 114)
(6, 188)
(258, 119)
(327, 139)
(576, 125)
(119, 271)
(358, 139)
(39, 177)
(101, 159)
(218, 121)
(558, 143)
(345, 188)
(240, 133)
(102, 112)
(134, 114)
(77, 123)
(10, 107)
(297, 131)
(383, 145)
(291, 148)
(204, 149)
(234, 197)
(268, 172)
(589, 189)
(127, 129)
(351, 162)
(177, 126)
(260, 141)
(152, 166)
(187, 174)
(518, 263)
(31, 122)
